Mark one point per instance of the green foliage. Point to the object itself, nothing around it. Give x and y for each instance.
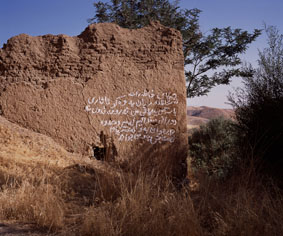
(259, 104)
(213, 147)
(220, 49)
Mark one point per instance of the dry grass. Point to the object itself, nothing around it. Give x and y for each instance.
(140, 205)
(58, 192)
(243, 205)
(230, 208)
(39, 204)
(143, 208)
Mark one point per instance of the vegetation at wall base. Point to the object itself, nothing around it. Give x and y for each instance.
(61, 194)
(75, 200)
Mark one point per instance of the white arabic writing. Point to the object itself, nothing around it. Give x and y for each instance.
(140, 115)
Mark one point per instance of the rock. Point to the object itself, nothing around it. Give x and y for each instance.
(109, 90)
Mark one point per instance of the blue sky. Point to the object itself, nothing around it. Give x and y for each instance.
(38, 17)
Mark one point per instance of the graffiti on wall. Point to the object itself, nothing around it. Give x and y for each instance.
(135, 116)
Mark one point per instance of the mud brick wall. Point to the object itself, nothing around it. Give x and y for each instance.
(112, 89)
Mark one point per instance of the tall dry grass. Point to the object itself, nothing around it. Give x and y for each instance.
(144, 207)
(78, 201)
(242, 205)
(40, 204)
(42, 184)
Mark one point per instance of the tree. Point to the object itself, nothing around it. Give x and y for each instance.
(259, 104)
(219, 50)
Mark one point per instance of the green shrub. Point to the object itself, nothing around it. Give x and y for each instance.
(259, 104)
(212, 147)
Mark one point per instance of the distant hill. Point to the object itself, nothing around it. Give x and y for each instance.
(197, 116)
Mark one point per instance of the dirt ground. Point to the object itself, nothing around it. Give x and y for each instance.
(15, 229)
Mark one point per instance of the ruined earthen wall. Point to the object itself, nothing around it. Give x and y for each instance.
(109, 86)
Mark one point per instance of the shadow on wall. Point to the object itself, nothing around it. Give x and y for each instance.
(107, 151)
(146, 157)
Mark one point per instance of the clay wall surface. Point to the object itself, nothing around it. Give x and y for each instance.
(109, 87)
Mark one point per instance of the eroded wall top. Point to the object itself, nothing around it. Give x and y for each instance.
(109, 87)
